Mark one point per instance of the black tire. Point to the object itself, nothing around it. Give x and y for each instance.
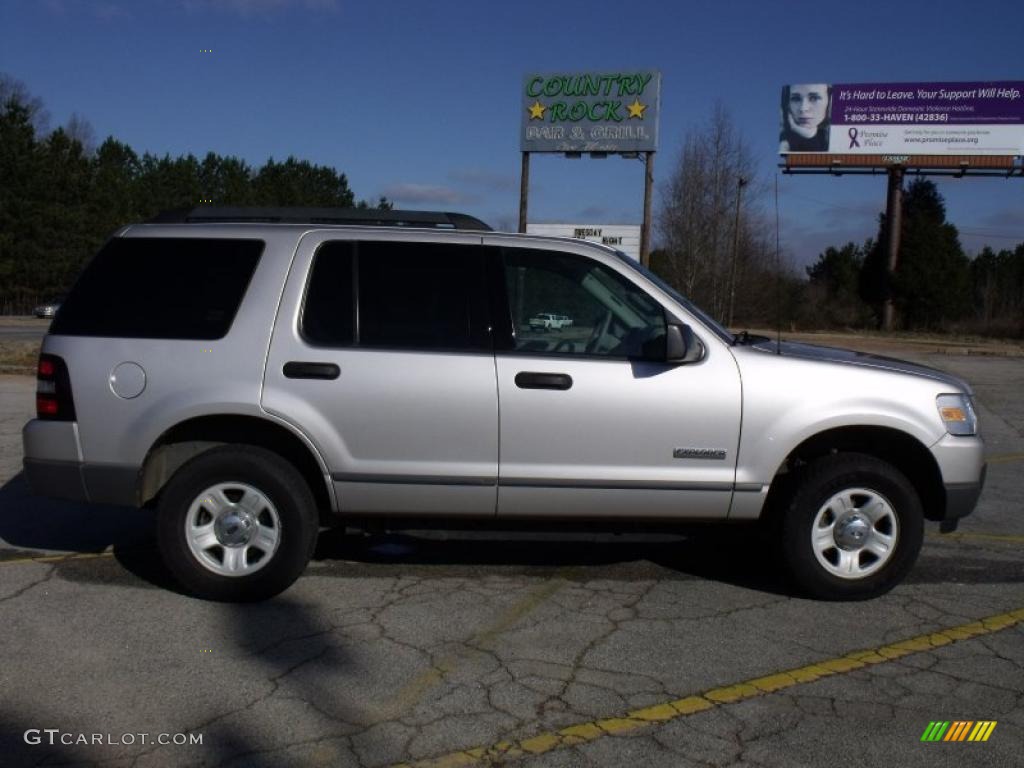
(901, 519)
(290, 513)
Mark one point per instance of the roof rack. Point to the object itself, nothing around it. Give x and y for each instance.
(352, 216)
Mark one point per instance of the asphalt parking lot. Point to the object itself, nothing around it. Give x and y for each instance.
(538, 650)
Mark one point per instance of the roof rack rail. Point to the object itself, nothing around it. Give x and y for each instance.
(287, 215)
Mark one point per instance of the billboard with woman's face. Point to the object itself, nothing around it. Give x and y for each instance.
(982, 118)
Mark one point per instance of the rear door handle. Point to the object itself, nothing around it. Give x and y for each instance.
(530, 380)
(302, 370)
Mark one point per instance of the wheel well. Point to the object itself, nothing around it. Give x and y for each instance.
(190, 438)
(897, 448)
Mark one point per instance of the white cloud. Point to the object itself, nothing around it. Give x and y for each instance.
(251, 7)
(407, 192)
(484, 178)
(109, 11)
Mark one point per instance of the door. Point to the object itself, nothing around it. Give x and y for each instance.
(382, 355)
(592, 423)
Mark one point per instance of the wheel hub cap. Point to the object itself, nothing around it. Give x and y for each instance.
(234, 528)
(852, 532)
(855, 533)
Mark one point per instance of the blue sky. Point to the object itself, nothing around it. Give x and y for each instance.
(419, 101)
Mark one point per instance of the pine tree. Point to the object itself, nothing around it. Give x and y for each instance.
(931, 286)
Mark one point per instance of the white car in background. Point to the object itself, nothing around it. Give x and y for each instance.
(549, 321)
(47, 309)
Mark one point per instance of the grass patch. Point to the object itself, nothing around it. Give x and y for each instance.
(19, 355)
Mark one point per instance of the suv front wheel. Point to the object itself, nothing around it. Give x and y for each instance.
(852, 529)
(237, 523)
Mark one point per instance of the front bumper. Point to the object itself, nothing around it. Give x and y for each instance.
(961, 499)
(961, 465)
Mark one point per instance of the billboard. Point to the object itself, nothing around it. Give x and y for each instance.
(614, 111)
(977, 118)
(622, 237)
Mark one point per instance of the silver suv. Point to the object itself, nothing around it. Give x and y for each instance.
(249, 372)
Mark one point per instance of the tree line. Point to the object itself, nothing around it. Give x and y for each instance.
(60, 197)
(935, 286)
(718, 247)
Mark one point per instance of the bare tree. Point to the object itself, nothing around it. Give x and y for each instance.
(702, 206)
(12, 88)
(81, 130)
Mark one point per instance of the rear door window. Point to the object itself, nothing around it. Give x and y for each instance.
(160, 288)
(422, 296)
(329, 309)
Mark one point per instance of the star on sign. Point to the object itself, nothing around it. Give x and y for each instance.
(537, 111)
(636, 109)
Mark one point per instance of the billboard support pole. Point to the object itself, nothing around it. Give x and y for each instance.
(524, 186)
(893, 225)
(645, 229)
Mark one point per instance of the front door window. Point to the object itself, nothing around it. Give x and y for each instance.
(564, 304)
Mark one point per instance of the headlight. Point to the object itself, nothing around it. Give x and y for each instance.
(957, 414)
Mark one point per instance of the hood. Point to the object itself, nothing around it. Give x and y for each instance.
(851, 357)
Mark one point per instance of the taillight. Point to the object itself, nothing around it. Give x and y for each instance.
(53, 390)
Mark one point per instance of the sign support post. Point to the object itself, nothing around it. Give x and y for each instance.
(893, 225)
(524, 186)
(645, 229)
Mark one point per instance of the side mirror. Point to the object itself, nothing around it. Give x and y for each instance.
(681, 345)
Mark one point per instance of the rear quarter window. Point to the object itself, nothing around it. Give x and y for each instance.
(160, 288)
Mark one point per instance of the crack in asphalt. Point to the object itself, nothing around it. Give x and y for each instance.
(50, 573)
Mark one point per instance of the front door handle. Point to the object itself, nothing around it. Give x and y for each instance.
(302, 370)
(530, 380)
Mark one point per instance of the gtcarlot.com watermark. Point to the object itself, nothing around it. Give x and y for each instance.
(54, 736)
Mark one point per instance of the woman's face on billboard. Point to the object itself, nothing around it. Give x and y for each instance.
(807, 107)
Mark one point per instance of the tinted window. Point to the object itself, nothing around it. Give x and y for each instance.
(422, 296)
(604, 314)
(328, 315)
(160, 288)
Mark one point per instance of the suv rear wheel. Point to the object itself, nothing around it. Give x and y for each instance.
(852, 529)
(237, 523)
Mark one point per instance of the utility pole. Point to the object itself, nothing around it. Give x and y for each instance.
(735, 249)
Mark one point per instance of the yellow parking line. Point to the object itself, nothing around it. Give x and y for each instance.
(716, 697)
(56, 558)
(1007, 538)
(1004, 458)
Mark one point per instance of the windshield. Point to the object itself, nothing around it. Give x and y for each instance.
(701, 315)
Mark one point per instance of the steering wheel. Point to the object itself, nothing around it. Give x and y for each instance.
(600, 329)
